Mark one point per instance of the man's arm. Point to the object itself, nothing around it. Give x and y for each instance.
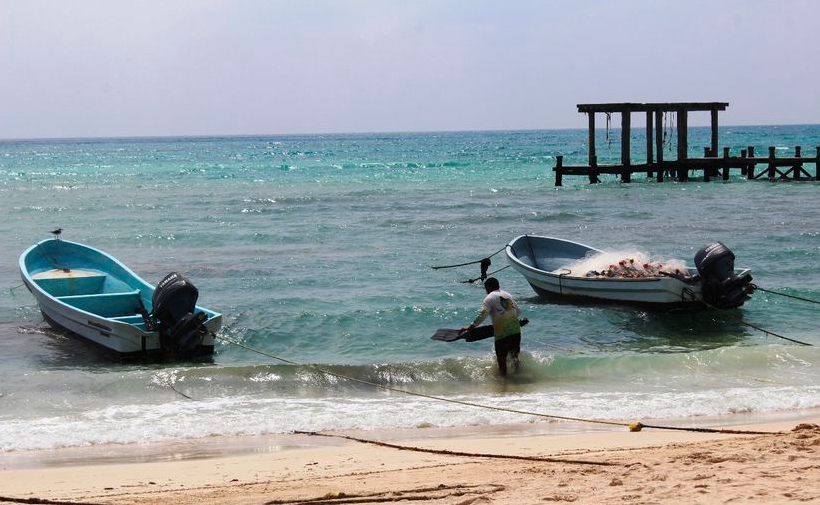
(482, 314)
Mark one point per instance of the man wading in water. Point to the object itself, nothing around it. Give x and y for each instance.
(504, 312)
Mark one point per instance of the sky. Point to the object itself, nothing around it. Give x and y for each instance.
(124, 68)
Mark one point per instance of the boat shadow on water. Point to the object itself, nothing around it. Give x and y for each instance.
(615, 327)
(673, 332)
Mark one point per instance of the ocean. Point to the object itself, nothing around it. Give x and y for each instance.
(318, 251)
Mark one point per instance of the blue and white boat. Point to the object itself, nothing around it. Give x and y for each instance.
(91, 294)
(560, 269)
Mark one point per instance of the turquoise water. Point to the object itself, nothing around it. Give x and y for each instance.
(318, 250)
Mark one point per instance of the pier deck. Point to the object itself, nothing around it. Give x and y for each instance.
(774, 168)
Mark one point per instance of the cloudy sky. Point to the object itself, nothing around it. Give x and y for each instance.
(102, 68)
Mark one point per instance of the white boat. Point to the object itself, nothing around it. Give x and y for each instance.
(564, 270)
(91, 294)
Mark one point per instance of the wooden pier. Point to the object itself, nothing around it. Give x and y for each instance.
(712, 164)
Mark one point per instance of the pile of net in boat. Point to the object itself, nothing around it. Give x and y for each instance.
(626, 265)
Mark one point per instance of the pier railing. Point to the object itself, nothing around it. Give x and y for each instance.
(774, 168)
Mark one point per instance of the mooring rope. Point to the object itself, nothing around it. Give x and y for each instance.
(758, 288)
(44, 501)
(413, 393)
(470, 281)
(50, 258)
(632, 426)
(639, 426)
(469, 262)
(455, 453)
(758, 328)
(428, 494)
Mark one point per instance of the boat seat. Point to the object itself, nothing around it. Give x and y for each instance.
(106, 304)
(135, 320)
(59, 282)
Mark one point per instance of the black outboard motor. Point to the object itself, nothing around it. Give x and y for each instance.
(721, 287)
(181, 331)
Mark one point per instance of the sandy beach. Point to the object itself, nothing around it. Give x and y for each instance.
(611, 465)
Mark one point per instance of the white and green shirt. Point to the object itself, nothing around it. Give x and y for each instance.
(503, 311)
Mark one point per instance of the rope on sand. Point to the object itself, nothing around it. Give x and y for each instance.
(640, 426)
(445, 452)
(426, 494)
(43, 501)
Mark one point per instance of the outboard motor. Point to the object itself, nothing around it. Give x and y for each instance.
(720, 286)
(181, 331)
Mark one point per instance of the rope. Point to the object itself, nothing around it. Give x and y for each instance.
(638, 426)
(44, 501)
(664, 129)
(456, 453)
(758, 328)
(413, 393)
(632, 427)
(564, 271)
(426, 494)
(669, 124)
(491, 273)
(50, 258)
(758, 288)
(177, 391)
(469, 262)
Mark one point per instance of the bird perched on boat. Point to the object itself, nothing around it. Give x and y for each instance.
(57, 232)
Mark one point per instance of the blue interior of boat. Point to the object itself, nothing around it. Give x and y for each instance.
(97, 293)
(548, 254)
(106, 304)
(71, 286)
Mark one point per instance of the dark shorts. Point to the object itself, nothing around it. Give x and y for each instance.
(508, 345)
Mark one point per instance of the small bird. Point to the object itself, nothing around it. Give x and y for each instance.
(56, 232)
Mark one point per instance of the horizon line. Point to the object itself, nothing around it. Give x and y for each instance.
(317, 134)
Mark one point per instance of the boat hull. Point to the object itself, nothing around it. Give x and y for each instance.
(541, 260)
(92, 295)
